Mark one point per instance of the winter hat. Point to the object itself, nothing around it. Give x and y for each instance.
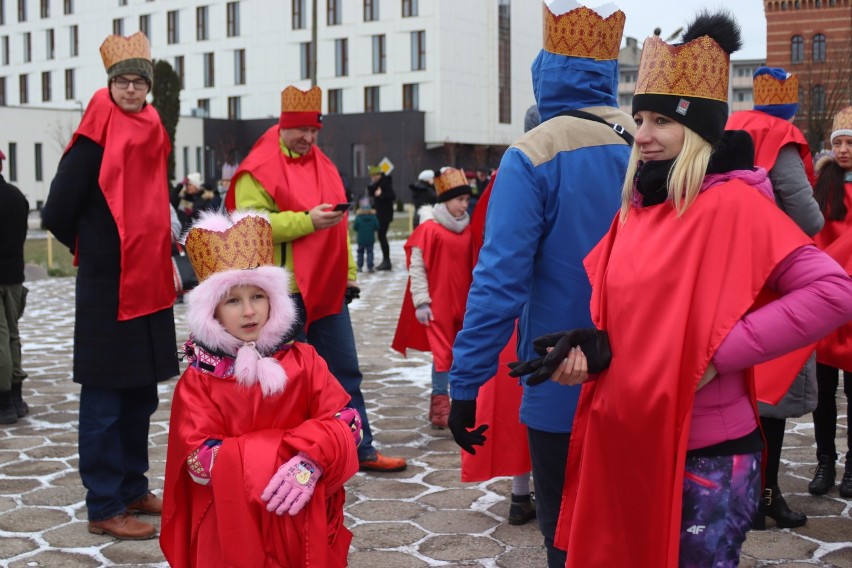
(194, 178)
(532, 118)
(842, 124)
(2, 155)
(426, 176)
(374, 170)
(237, 251)
(451, 183)
(301, 108)
(688, 83)
(776, 92)
(128, 56)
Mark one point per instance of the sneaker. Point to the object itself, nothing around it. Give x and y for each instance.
(383, 464)
(522, 509)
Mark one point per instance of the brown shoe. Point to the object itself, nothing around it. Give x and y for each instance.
(439, 411)
(150, 504)
(124, 526)
(383, 463)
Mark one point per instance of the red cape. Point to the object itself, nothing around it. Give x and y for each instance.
(770, 134)
(135, 185)
(836, 348)
(498, 403)
(448, 259)
(636, 416)
(320, 260)
(225, 523)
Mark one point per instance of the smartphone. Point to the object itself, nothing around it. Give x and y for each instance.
(342, 206)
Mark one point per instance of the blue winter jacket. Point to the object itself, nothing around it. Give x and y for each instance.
(557, 191)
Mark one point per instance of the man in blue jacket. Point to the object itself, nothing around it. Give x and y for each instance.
(556, 193)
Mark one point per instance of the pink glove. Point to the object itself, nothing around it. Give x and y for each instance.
(423, 313)
(352, 419)
(291, 487)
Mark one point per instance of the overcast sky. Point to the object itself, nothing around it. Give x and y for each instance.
(645, 15)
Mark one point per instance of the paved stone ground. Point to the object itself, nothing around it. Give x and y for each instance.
(420, 517)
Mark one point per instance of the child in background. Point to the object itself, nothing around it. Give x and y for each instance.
(366, 225)
(439, 254)
(261, 410)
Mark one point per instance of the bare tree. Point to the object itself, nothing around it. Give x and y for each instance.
(825, 87)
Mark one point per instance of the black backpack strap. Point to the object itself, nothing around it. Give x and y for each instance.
(620, 130)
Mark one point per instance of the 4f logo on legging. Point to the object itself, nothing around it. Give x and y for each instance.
(696, 529)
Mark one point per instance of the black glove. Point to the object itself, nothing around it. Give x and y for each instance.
(352, 292)
(594, 343)
(462, 417)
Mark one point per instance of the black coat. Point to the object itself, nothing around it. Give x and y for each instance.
(14, 210)
(384, 203)
(107, 352)
(422, 193)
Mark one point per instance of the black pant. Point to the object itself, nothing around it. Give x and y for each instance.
(549, 454)
(384, 225)
(773, 431)
(825, 415)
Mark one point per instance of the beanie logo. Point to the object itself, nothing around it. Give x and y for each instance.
(682, 107)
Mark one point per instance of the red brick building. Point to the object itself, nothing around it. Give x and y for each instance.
(813, 40)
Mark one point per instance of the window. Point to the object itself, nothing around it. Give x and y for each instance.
(199, 163)
(185, 161)
(4, 50)
(118, 26)
(209, 71)
(39, 174)
(201, 23)
(371, 99)
(2, 12)
(239, 67)
(411, 96)
(797, 49)
(22, 10)
(23, 89)
(172, 35)
(13, 161)
(298, 14)
(371, 10)
(359, 160)
(28, 47)
(504, 62)
(45, 87)
(409, 8)
(819, 47)
(68, 7)
(234, 108)
(69, 85)
(305, 60)
(179, 69)
(44, 8)
(418, 51)
(379, 53)
(204, 107)
(335, 101)
(2, 91)
(73, 41)
(341, 57)
(233, 19)
(818, 99)
(145, 24)
(50, 43)
(332, 15)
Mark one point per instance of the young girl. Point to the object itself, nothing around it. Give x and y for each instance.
(259, 448)
(664, 464)
(439, 255)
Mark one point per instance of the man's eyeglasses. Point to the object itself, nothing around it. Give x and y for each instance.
(123, 83)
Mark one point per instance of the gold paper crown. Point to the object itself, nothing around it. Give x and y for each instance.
(582, 32)
(246, 244)
(695, 69)
(843, 120)
(770, 91)
(449, 179)
(118, 48)
(297, 100)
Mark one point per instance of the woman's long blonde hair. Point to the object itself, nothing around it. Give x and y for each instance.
(687, 173)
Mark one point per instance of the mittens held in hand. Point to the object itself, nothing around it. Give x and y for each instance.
(352, 419)
(292, 486)
(594, 344)
(352, 293)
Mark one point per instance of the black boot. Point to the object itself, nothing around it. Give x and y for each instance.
(7, 408)
(846, 483)
(521, 509)
(773, 505)
(385, 265)
(824, 475)
(21, 407)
